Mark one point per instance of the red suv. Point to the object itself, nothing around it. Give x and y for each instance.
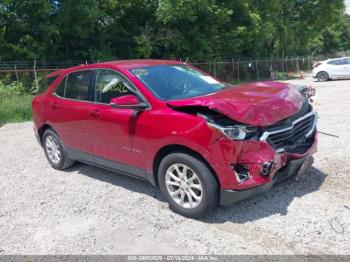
(202, 141)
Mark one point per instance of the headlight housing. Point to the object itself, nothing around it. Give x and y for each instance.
(236, 132)
(230, 129)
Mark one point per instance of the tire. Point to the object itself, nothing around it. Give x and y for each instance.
(198, 175)
(322, 76)
(55, 151)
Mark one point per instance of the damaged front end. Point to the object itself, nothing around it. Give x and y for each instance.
(263, 156)
(251, 159)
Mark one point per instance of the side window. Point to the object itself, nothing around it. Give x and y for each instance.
(61, 88)
(110, 84)
(346, 61)
(44, 83)
(77, 86)
(335, 62)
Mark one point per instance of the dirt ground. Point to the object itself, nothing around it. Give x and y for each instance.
(87, 210)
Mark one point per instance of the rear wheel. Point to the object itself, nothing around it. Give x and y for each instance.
(55, 151)
(188, 185)
(322, 76)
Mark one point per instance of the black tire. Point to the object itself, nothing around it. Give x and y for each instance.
(322, 76)
(210, 188)
(64, 162)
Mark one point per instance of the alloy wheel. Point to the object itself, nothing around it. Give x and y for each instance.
(183, 185)
(322, 77)
(53, 149)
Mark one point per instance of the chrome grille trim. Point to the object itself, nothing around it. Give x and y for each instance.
(266, 134)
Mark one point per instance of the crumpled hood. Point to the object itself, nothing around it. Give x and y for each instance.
(255, 104)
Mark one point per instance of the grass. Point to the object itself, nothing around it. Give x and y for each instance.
(15, 103)
(15, 109)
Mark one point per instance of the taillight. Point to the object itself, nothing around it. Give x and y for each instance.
(317, 65)
(311, 91)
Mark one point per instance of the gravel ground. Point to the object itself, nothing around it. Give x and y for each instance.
(87, 210)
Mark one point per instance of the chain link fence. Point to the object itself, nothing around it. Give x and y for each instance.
(29, 72)
(236, 70)
(232, 71)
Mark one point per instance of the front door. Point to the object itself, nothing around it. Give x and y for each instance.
(117, 133)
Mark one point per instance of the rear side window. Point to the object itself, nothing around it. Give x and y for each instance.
(77, 85)
(44, 84)
(335, 62)
(61, 88)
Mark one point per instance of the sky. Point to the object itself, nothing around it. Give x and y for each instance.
(347, 3)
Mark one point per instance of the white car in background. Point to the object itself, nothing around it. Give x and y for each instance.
(338, 68)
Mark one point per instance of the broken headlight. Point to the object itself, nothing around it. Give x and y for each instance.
(236, 132)
(306, 91)
(232, 130)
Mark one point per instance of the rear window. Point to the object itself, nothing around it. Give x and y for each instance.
(44, 84)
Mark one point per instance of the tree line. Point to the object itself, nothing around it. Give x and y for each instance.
(195, 29)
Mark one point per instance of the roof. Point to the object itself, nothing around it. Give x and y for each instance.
(343, 57)
(127, 64)
(142, 62)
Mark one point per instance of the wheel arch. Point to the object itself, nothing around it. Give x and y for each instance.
(42, 130)
(176, 148)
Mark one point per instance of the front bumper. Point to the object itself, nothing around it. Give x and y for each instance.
(228, 197)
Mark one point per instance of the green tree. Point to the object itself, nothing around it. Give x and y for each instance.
(24, 30)
(194, 29)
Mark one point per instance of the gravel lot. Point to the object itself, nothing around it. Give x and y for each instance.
(87, 210)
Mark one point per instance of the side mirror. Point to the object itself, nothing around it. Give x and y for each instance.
(127, 101)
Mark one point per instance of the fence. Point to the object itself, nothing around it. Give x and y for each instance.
(28, 72)
(232, 71)
(237, 70)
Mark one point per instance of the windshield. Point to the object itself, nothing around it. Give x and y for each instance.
(169, 82)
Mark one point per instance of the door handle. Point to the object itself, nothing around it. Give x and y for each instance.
(54, 105)
(95, 113)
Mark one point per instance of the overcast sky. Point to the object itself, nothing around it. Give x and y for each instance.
(347, 3)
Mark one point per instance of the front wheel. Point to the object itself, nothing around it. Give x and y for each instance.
(188, 185)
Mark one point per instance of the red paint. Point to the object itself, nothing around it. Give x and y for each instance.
(125, 100)
(256, 104)
(134, 138)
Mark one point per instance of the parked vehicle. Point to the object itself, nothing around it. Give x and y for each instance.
(338, 68)
(202, 141)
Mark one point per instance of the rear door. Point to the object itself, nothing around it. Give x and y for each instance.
(335, 68)
(69, 113)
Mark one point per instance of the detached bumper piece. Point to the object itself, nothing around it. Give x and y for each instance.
(229, 197)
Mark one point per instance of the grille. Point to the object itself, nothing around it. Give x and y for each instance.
(292, 138)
